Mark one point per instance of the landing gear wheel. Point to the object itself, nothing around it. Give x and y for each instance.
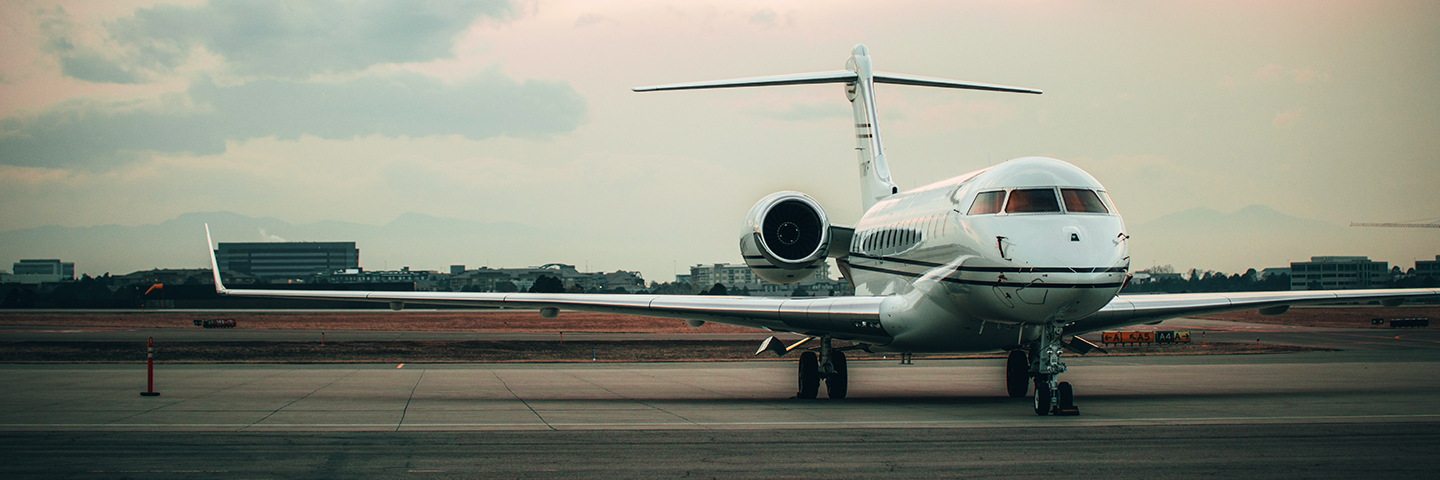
(1017, 374)
(1042, 398)
(809, 376)
(836, 383)
(1067, 400)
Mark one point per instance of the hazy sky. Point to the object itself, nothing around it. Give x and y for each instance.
(119, 112)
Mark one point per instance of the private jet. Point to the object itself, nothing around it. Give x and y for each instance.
(1021, 257)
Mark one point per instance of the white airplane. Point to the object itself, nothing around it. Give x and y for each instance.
(1016, 257)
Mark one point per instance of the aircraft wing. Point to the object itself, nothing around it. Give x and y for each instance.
(845, 318)
(1127, 310)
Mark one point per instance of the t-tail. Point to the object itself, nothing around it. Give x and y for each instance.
(859, 80)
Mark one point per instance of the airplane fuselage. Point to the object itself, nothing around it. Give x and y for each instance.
(980, 261)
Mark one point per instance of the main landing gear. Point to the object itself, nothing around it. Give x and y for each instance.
(1052, 397)
(828, 364)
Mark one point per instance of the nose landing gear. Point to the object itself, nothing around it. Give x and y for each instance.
(1052, 397)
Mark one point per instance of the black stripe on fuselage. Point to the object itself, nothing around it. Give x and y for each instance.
(998, 269)
(1036, 284)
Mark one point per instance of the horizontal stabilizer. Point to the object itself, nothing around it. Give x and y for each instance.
(837, 76)
(901, 79)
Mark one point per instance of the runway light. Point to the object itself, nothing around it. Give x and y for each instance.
(400, 366)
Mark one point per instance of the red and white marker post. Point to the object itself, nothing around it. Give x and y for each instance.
(150, 370)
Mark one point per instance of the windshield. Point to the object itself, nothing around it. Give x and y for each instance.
(1082, 201)
(1032, 201)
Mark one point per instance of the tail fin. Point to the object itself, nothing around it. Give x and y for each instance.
(860, 80)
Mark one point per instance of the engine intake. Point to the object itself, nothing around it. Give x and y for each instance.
(785, 238)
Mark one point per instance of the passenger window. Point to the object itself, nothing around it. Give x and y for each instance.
(987, 202)
(1082, 201)
(1032, 201)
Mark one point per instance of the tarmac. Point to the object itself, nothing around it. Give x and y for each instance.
(1369, 409)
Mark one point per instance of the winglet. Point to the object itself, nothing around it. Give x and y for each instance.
(214, 265)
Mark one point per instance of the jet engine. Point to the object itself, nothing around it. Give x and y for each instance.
(785, 238)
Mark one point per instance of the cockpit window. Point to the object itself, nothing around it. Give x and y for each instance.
(1032, 201)
(1108, 202)
(987, 202)
(1082, 201)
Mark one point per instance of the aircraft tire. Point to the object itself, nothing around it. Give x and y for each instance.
(1067, 395)
(809, 376)
(1042, 398)
(836, 383)
(1017, 374)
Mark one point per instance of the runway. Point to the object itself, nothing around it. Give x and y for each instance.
(1360, 411)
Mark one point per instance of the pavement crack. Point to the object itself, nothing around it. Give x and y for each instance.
(407, 400)
(292, 402)
(642, 402)
(522, 401)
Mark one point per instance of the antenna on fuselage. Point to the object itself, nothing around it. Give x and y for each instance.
(859, 80)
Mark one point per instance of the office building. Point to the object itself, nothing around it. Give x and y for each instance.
(1428, 268)
(1338, 273)
(287, 260)
(43, 271)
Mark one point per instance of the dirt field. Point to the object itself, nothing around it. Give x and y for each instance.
(1336, 317)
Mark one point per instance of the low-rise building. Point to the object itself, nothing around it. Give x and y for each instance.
(1428, 268)
(1273, 271)
(167, 276)
(739, 279)
(486, 279)
(43, 271)
(424, 280)
(1338, 273)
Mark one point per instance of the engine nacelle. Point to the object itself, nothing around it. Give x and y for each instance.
(785, 238)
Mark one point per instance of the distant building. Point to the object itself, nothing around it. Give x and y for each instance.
(287, 260)
(43, 271)
(486, 279)
(1147, 277)
(740, 279)
(1338, 273)
(168, 276)
(1273, 271)
(424, 280)
(1428, 268)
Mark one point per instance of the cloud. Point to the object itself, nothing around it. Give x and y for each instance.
(267, 237)
(100, 135)
(76, 61)
(1269, 72)
(591, 19)
(767, 18)
(1287, 119)
(274, 38)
